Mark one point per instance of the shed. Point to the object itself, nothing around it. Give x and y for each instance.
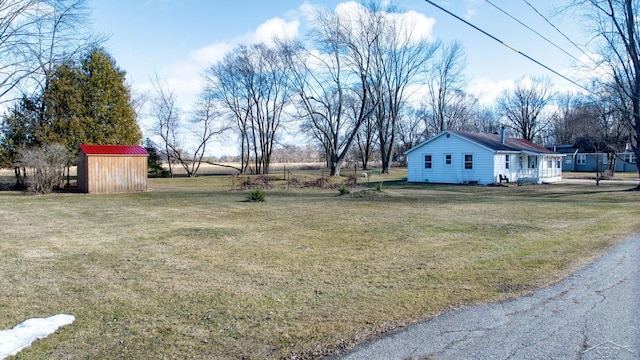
(457, 157)
(112, 168)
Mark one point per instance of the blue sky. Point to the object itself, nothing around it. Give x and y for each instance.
(177, 39)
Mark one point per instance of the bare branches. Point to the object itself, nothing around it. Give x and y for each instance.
(615, 24)
(35, 36)
(523, 107)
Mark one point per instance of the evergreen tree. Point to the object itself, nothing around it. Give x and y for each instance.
(63, 117)
(85, 102)
(106, 102)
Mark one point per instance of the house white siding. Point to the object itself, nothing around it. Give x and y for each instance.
(500, 164)
(455, 173)
(455, 157)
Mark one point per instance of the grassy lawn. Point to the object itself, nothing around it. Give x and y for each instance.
(190, 269)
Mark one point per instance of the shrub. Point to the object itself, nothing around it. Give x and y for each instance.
(351, 180)
(320, 182)
(45, 166)
(379, 187)
(256, 196)
(343, 190)
(154, 162)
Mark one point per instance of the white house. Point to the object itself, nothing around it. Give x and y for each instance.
(455, 157)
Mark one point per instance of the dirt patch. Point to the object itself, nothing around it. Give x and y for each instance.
(374, 194)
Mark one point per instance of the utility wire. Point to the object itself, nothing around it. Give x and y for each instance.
(559, 31)
(536, 32)
(507, 45)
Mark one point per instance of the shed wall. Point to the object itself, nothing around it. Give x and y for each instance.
(109, 174)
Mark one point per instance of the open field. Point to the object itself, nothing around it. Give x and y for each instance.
(191, 270)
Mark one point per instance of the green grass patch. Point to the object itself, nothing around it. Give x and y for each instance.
(191, 269)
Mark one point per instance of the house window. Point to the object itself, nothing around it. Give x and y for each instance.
(468, 162)
(427, 162)
(520, 161)
(507, 159)
(630, 158)
(533, 162)
(582, 159)
(447, 159)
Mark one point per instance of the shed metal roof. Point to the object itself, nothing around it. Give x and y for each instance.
(113, 149)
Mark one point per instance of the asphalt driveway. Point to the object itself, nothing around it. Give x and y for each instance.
(593, 314)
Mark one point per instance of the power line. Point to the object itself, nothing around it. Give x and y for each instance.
(536, 32)
(559, 31)
(507, 45)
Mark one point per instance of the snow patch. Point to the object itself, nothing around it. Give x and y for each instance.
(23, 334)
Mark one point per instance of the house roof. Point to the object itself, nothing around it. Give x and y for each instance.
(113, 149)
(564, 149)
(492, 142)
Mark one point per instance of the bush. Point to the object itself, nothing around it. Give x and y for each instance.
(343, 190)
(351, 180)
(320, 183)
(45, 166)
(379, 187)
(256, 196)
(154, 162)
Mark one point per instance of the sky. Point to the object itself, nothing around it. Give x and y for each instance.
(176, 40)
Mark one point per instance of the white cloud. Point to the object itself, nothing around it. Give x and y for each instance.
(185, 76)
(416, 25)
(471, 11)
(276, 27)
(487, 90)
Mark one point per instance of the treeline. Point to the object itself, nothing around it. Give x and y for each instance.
(63, 87)
(364, 83)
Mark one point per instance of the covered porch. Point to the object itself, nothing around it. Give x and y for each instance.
(540, 168)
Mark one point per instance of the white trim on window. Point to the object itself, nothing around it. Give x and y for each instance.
(428, 161)
(468, 161)
(581, 159)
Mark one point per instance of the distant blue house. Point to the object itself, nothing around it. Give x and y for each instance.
(576, 160)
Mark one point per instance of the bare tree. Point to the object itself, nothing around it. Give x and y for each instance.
(486, 121)
(331, 80)
(18, 27)
(445, 86)
(252, 85)
(366, 139)
(225, 82)
(411, 130)
(523, 107)
(401, 57)
(36, 36)
(206, 125)
(457, 114)
(270, 93)
(166, 114)
(186, 149)
(615, 27)
(573, 119)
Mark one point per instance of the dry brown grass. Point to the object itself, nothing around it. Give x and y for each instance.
(192, 270)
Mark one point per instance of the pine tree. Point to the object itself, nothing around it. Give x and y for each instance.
(63, 117)
(106, 102)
